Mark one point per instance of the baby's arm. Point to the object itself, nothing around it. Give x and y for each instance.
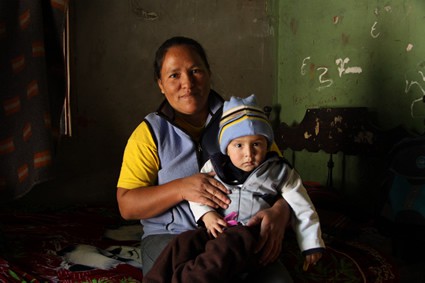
(198, 209)
(214, 223)
(311, 259)
(305, 222)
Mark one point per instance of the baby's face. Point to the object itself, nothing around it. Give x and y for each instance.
(247, 152)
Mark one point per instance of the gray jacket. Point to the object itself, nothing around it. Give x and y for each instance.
(274, 176)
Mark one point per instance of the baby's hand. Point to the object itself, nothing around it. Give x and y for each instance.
(214, 223)
(311, 259)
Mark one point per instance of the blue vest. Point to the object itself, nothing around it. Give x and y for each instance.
(180, 156)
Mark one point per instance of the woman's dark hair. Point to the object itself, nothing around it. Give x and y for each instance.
(174, 41)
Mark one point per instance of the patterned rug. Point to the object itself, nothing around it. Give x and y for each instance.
(343, 261)
(93, 244)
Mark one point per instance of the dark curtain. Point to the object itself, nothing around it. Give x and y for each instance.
(32, 91)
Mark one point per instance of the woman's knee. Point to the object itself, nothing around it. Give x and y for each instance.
(151, 247)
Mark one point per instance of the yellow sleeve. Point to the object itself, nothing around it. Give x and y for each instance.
(140, 163)
(275, 148)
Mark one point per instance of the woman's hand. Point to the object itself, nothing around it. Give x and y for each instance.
(272, 223)
(146, 202)
(203, 188)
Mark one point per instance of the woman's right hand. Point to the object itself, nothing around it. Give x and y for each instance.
(146, 202)
(205, 189)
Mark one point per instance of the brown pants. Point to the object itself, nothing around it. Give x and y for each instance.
(195, 257)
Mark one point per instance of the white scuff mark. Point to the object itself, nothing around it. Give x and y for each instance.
(418, 100)
(388, 9)
(336, 20)
(422, 75)
(326, 82)
(376, 11)
(409, 47)
(349, 70)
(271, 30)
(373, 29)
(342, 63)
(140, 11)
(409, 85)
(303, 71)
(353, 70)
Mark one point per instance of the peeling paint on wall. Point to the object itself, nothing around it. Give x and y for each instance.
(294, 26)
(317, 127)
(364, 137)
(138, 10)
(336, 20)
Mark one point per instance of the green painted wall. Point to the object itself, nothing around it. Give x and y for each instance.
(334, 53)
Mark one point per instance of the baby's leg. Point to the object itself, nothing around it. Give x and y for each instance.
(225, 258)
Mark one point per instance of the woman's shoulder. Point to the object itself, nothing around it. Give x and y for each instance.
(142, 134)
(141, 129)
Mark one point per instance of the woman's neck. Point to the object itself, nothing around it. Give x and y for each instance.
(195, 120)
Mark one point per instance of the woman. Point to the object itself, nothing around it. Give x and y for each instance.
(163, 156)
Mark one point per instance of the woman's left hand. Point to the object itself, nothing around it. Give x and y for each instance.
(273, 222)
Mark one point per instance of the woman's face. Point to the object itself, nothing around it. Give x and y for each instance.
(185, 80)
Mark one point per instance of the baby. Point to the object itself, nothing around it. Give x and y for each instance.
(256, 176)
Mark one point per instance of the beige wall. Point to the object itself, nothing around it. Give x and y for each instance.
(113, 44)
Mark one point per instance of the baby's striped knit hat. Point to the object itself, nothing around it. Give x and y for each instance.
(243, 117)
